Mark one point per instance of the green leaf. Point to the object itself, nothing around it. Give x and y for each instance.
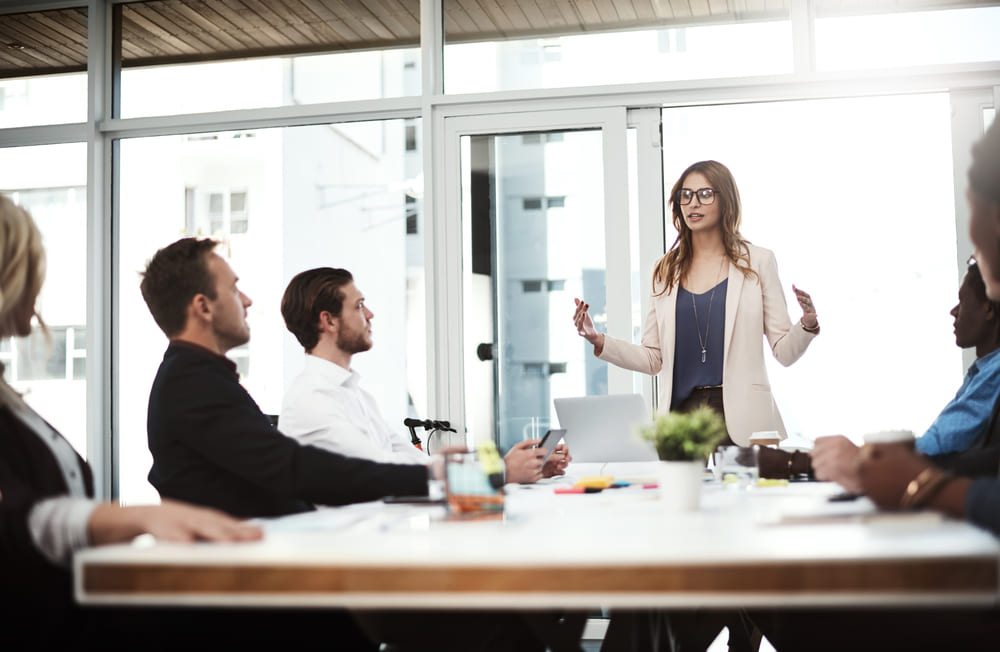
(690, 436)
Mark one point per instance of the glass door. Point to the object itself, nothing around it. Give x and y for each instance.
(544, 213)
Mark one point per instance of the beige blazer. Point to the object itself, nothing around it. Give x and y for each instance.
(753, 309)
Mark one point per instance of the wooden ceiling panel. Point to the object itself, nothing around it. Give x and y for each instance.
(644, 10)
(159, 35)
(626, 11)
(48, 41)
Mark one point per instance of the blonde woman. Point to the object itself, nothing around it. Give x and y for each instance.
(715, 296)
(47, 510)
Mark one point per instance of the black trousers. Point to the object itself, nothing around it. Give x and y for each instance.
(474, 631)
(879, 630)
(710, 396)
(677, 631)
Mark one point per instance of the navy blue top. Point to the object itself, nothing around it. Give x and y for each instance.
(689, 370)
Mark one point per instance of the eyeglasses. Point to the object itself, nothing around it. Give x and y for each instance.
(705, 195)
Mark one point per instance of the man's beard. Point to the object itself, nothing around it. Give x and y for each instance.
(354, 342)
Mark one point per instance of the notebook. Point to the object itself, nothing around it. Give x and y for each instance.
(602, 428)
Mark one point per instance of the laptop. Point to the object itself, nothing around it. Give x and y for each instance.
(602, 428)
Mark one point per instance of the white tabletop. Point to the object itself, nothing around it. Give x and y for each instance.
(780, 545)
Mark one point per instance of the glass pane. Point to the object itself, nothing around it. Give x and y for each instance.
(917, 38)
(666, 54)
(51, 182)
(276, 81)
(43, 100)
(327, 195)
(523, 266)
(861, 214)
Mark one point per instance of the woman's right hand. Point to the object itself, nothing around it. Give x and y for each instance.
(168, 521)
(584, 324)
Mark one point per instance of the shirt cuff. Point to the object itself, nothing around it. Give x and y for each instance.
(58, 527)
(982, 503)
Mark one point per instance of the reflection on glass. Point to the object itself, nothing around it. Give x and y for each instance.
(281, 201)
(532, 207)
(918, 38)
(50, 368)
(813, 178)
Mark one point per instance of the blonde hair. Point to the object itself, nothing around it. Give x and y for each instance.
(22, 262)
(674, 265)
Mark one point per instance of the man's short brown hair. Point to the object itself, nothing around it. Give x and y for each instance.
(307, 295)
(173, 276)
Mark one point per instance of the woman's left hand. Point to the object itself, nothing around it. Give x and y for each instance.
(809, 319)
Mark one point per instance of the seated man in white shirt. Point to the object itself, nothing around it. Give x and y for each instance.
(325, 405)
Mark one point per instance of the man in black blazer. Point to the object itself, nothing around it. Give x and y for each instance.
(213, 446)
(210, 442)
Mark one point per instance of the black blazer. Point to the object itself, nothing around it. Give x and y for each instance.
(213, 446)
(29, 473)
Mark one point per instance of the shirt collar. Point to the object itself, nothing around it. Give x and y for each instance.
(989, 361)
(184, 344)
(332, 371)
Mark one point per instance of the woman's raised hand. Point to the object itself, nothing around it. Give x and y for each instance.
(809, 319)
(584, 324)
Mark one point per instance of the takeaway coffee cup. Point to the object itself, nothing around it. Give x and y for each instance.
(765, 438)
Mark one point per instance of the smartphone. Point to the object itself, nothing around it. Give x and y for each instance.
(550, 441)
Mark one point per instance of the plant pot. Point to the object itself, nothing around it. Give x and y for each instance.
(680, 485)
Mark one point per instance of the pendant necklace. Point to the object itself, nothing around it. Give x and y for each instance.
(708, 323)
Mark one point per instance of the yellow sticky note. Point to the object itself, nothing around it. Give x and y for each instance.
(599, 481)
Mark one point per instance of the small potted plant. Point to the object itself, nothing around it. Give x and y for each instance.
(684, 443)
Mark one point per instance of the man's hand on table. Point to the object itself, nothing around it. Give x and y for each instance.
(836, 459)
(557, 462)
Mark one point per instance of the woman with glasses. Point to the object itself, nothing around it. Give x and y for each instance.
(715, 296)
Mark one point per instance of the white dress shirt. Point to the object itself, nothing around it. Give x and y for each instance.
(326, 407)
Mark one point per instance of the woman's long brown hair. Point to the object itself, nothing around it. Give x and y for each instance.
(675, 263)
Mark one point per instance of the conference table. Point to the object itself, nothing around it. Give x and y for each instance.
(766, 546)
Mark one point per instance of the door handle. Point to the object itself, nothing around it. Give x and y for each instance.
(485, 351)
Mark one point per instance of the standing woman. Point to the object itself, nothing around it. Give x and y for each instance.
(714, 296)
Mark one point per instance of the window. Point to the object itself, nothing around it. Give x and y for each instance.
(342, 204)
(215, 213)
(60, 354)
(262, 56)
(918, 38)
(556, 48)
(532, 203)
(411, 138)
(531, 286)
(50, 182)
(411, 215)
(811, 198)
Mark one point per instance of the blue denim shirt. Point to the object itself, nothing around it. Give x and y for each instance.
(967, 416)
